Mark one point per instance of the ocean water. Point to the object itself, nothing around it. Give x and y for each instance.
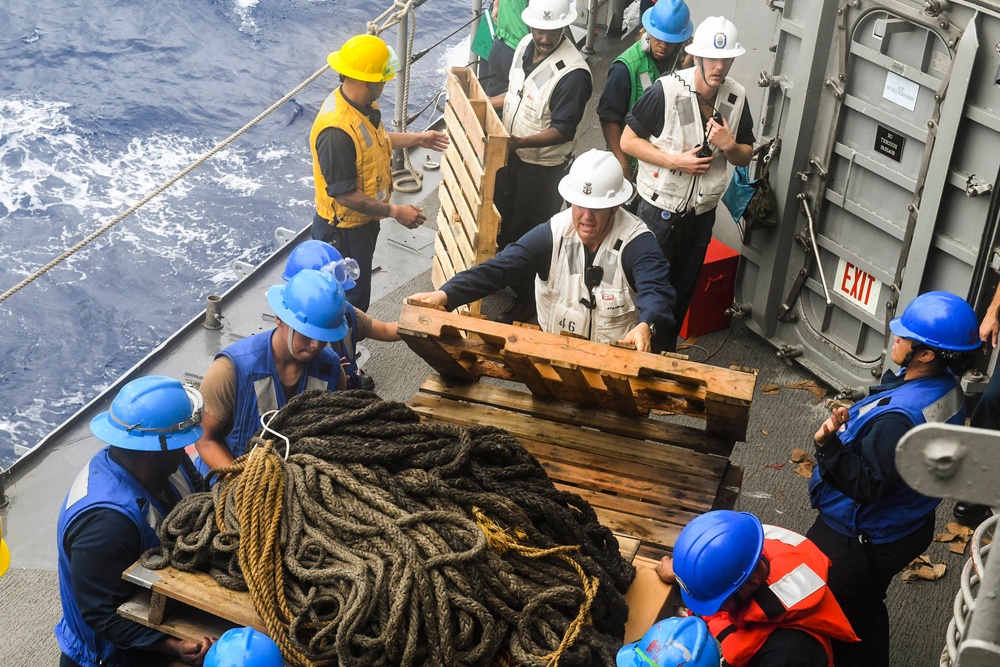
(101, 101)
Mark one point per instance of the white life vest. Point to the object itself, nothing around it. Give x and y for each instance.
(683, 129)
(558, 299)
(526, 109)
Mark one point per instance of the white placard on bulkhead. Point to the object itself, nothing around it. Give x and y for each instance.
(901, 91)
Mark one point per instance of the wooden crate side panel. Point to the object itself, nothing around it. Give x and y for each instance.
(452, 223)
(462, 145)
(466, 223)
(636, 451)
(606, 421)
(466, 114)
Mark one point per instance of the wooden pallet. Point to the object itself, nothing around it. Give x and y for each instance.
(586, 416)
(192, 605)
(468, 220)
(584, 373)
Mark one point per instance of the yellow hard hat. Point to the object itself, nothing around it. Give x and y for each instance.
(363, 57)
(4, 553)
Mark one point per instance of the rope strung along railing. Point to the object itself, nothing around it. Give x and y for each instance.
(392, 16)
(386, 541)
(159, 189)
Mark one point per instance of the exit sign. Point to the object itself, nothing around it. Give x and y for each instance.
(857, 286)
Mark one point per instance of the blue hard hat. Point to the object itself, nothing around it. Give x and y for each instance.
(672, 642)
(318, 255)
(244, 647)
(312, 303)
(939, 319)
(151, 414)
(714, 555)
(669, 21)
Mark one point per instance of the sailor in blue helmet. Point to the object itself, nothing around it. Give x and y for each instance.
(670, 643)
(322, 256)
(659, 50)
(870, 523)
(244, 647)
(262, 372)
(110, 518)
(761, 589)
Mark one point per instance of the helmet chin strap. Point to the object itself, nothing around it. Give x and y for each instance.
(291, 332)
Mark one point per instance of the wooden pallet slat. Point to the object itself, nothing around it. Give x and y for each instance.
(606, 421)
(453, 221)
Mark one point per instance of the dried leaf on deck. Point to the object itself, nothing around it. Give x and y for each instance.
(799, 456)
(956, 528)
(769, 389)
(945, 537)
(923, 568)
(958, 547)
(805, 469)
(818, 392)
(763, 431)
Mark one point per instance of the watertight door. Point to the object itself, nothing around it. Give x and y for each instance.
(889, 153)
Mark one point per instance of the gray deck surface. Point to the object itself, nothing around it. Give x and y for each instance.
(29, 597)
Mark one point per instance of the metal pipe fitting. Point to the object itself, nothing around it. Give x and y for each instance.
(213, 314)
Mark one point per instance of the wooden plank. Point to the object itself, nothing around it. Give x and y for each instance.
(457, 81)
(190, 624)
(461, 142)
(433, 354)
(438, 275)
(449, 244)
(497, 154)
(488, 226)
(464, 178)
(606, 421)
(729, 488)
(573, 379)
(465, 112)
(527, 373)
(478, 107)
(627, 508)
(736, 386)
(445, 251)
(466, 223)
(201, 592)
(628, 546)
(621, 392)
(453, 220)
(530, 428)
(635, 480)
(656, 537)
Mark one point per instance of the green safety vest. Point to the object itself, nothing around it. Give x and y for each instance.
(510, 28)
(642, 68)
(639, 63)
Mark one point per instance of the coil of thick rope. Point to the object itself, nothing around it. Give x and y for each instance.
(386, 541)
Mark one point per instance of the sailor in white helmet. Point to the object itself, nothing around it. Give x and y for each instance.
(549, 85)
(685, 131)
(597, 270)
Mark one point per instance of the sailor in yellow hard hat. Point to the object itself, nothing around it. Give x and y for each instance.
(351, 159)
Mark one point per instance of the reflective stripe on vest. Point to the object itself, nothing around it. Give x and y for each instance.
(526, 109)
(683, 129)
(558, 298)
(103, 483)
(258, 386)
(795, 597)
(901, 510)
(373, 159)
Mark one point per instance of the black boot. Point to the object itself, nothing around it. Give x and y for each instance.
(971, 514)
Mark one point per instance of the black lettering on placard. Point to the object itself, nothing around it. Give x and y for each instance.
(889, 142)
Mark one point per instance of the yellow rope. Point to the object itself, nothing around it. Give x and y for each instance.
(503, 540)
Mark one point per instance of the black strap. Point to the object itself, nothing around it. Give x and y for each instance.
(768, 602)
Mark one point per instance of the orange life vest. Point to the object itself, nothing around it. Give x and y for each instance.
(796, 597)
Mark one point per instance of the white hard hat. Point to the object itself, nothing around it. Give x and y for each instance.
(596, 181)
(549, 14)
(715, 37)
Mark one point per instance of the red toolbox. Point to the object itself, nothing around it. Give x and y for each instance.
(714, 291)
